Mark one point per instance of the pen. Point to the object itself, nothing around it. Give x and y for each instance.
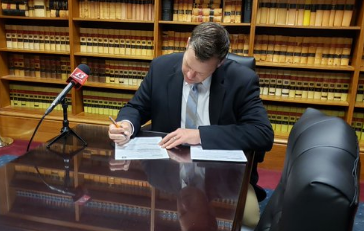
(114, 122)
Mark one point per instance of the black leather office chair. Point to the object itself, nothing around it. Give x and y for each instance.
(319, 188)
(248, 61)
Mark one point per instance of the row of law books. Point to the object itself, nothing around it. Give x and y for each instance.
(39, 66)
(101, 207)
(283, 118)
(119, 72)
(118, 184)
(51, 200)
(304, 84)
(174, 41)
(104, 102)
(141, 10)
(51, 175)
(35, 8)
(360, 90)
(358, 125)
(239, 44)
(333, 13)
(39, 38)
(325, 51)
(117, 42)
(36, 97)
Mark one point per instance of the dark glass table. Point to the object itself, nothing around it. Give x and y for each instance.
(69, 186)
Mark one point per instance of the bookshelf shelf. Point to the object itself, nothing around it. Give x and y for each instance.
(111, 86)
(304, 66)
(140, 57)
(112, 21)
(34, 18)
(359, 105)
(35, 51)
(32, 79)
(354, 28)
(304, 101)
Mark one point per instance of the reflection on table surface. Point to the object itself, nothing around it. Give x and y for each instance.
(166, 194)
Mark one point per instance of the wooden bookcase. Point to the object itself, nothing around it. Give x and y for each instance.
(19, 122)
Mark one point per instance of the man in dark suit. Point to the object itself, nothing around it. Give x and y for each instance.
(230, 112)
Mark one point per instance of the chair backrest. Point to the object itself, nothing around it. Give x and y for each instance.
(245, 60)
(319, 186)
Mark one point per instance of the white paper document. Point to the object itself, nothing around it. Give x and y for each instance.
(197, 153)
(141, 148)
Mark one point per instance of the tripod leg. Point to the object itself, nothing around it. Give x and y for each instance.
(63, 134)
(78, 137)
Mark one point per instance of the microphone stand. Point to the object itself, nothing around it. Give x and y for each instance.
(66, 130)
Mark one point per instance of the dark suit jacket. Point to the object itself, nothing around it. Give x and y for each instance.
(237, 115)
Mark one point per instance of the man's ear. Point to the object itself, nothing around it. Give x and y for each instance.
(188, 42)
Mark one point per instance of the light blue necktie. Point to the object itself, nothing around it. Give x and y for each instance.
(191, 107)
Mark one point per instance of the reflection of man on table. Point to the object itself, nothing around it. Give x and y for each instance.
(230, 114)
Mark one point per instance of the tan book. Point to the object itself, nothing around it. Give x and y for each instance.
(332, 83)
(319, 50)
(100, 41)
(165, 42)
(290, 49)
(345, 57)
(266, 77)
(263, 11)
(111, 41)
(270, 48)
(83, 40)
(247, 44)
(277, 48)
(25, 37)
(313, 15)
(189, 10)
(299, 85)
(272, 82)
(128, 38)
(36, 38)
(312, 46)
(133, 40)
(291, 12)
(340, 42)
(238, 11)
(311, 85)
(345, 83)
(283, 52)
(129, 10)
(297, 53)
(171, 40)
(58, 32)
(332, 12)
(175, 10)
(279, 83)
(326, 12)
(293, 85)
(150, 44)
(8, 35)
(241, 41)
(258, 47)
(19, 36)
(122, 39)
(300, 12)
(227, 11)
(318, 86)
(112, 9)
(123, 10)
(281, 13)
(339, 12)
(39, 8)
(181, 11)
(264, 40)
(116, 37)
(89, 39)
(272, 12)
(326, 51)
(325, 88)
(64, 39)
(319, 12)
(348, 12)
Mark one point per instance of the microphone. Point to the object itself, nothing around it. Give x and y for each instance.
(77, 78)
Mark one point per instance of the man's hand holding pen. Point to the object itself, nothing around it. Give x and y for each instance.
(120, 132)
